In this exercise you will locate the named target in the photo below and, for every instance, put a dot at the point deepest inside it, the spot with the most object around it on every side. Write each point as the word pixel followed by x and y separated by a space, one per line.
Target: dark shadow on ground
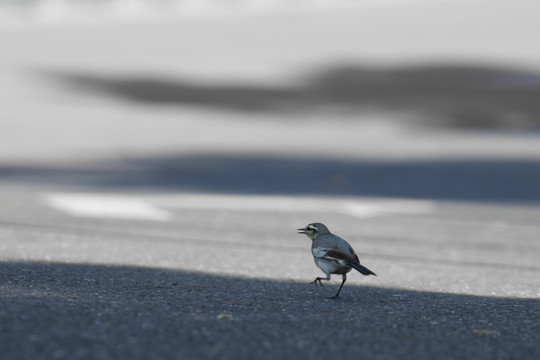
pixel 77 311
pixel 441 95
pixel 459 179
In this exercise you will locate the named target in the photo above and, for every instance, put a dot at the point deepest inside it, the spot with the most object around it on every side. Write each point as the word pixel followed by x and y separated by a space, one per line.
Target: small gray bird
pixel 332 254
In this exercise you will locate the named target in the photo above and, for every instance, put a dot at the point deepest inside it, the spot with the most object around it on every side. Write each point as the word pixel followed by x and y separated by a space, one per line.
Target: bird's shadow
pixel 128 312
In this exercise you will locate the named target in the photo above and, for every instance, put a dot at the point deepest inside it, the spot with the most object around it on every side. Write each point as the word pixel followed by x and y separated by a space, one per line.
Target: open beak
pixel 301 231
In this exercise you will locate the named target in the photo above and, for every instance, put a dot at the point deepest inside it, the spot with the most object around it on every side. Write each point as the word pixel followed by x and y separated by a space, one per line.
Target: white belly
pixel 332 266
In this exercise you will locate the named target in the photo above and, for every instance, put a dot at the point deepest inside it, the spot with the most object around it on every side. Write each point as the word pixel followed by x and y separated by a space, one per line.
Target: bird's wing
pixel 336 254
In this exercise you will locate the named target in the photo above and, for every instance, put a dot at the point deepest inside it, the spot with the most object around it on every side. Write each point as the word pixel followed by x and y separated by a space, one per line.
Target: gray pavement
pixel 458 281
pixel 96 311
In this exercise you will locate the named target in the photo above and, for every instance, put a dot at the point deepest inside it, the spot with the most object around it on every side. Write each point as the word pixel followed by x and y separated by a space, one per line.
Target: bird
pixel 332 254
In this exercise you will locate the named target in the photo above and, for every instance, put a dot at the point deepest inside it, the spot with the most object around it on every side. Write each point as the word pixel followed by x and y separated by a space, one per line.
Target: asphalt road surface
pixel 146 275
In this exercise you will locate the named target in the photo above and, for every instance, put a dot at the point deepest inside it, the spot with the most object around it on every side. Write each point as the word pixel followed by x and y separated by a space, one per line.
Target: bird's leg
pixel 342 282
pixel 319 280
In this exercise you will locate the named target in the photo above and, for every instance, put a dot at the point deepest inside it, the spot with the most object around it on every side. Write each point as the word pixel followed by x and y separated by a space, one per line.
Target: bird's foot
pixel 317 281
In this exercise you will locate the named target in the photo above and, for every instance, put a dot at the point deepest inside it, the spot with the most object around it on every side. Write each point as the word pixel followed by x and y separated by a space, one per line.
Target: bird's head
pixel 313 230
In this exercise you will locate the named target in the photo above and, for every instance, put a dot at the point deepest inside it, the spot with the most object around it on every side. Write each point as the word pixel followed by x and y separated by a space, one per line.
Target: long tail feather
pixel 362 269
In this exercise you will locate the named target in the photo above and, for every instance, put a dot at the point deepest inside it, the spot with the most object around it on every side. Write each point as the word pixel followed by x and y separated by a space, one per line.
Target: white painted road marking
pixel 116 206
pixel 355 207
pixel 106 206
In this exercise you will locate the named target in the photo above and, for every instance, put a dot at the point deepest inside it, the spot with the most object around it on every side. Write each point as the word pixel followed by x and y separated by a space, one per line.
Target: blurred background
pixel 399 98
